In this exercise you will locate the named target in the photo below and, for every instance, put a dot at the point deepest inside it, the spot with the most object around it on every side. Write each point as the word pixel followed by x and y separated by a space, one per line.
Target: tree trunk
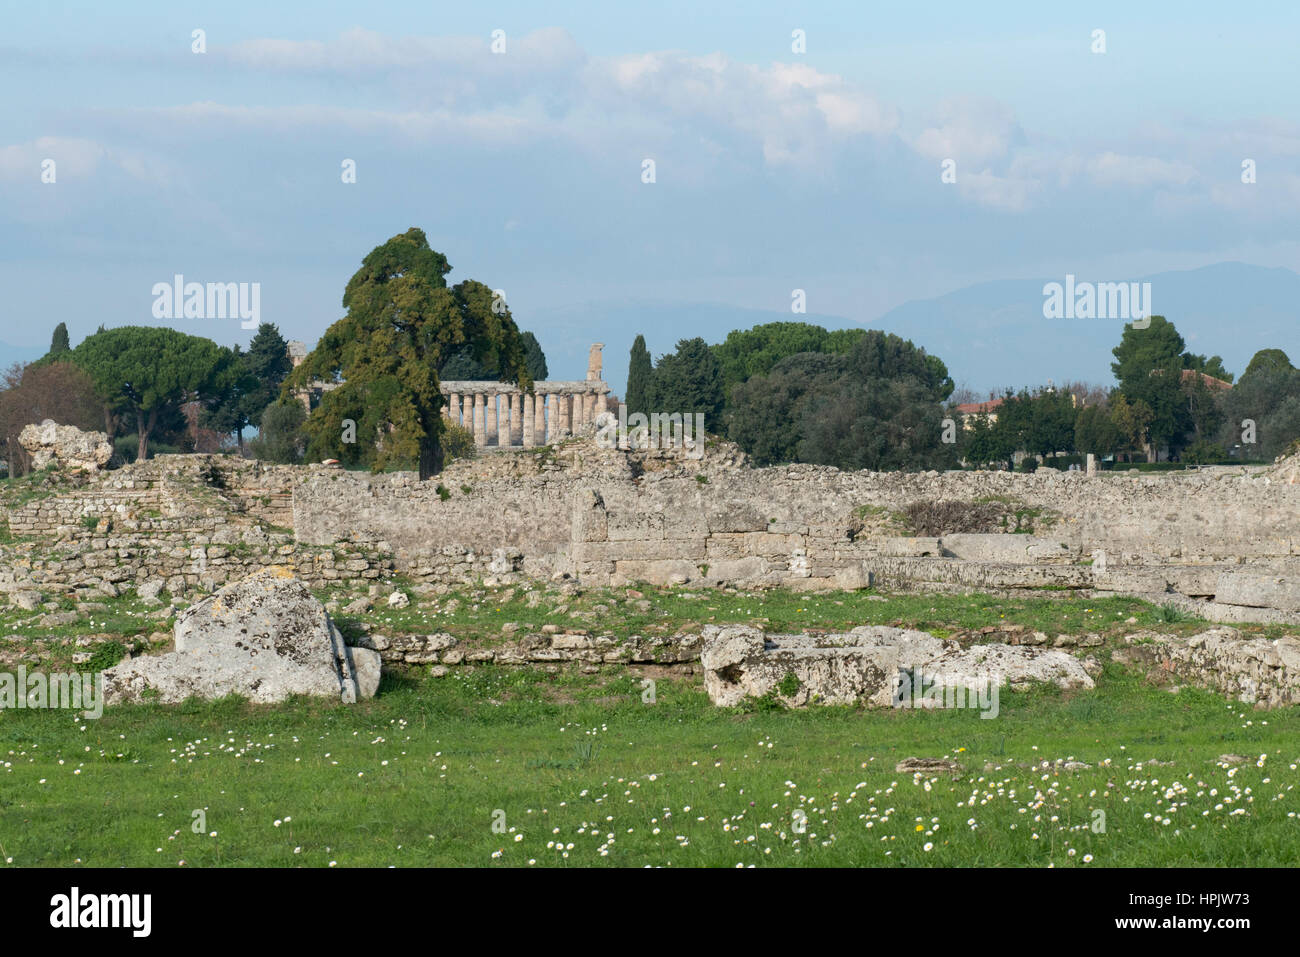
pixel 431 457
pixel 144 429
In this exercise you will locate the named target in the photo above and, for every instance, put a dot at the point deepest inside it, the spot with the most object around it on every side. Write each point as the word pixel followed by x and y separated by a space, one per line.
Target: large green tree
pixel 688 381
pixel 461 365
pixel 985 443
pixel 750 352
pixel 765 416
pixel 1261 413
pixel 1268 360
pixel 281 438
pixel 59 343
pixel 149 372
pixel 639 371
pixel 264 368
pixel 1149 365
pixel 878 406
pixel 402 321
pixel 1095 431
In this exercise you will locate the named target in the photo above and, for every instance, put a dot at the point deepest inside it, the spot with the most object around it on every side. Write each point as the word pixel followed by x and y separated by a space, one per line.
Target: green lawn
pixel 582 772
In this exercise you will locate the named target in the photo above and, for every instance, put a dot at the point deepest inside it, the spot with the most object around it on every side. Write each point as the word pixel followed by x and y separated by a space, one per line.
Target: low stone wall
pixel 548 648
pixel 1251 670
pixel 183 563
pixel 1256 671
pixel 1225 540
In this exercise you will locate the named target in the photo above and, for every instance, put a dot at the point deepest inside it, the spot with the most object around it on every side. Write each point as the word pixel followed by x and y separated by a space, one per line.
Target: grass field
pixel 493 766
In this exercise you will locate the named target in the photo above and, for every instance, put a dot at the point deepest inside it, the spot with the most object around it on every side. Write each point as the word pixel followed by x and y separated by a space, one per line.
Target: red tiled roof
pixel 975 408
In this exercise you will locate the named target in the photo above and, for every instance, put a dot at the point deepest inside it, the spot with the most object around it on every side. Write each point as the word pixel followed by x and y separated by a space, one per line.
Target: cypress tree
pixel 638 378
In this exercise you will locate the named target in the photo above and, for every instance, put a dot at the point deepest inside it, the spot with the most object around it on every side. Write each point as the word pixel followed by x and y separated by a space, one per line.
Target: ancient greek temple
pixel 500 415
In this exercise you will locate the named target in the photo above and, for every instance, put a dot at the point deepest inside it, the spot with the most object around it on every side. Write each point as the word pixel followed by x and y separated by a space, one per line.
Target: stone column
pixel 528 430
pixel 564 409
pixel 539 421
pixel 453 407
pixel 1092 464
pixel 513 411
pixel 480 430
pixel 493 421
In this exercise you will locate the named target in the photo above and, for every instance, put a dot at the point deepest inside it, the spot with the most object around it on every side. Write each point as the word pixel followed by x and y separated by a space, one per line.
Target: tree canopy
pixel 402 322
pixel 688 381
pixel 750 352
pixel 639 371
pixel 149 372
pixel 878 406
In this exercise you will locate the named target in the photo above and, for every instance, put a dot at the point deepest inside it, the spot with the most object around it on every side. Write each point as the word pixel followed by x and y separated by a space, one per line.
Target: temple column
pixel 527 428
pixel 453 407
pixel 480 430
pixel 493 421
pixel 564 412
pixel 539 422
pixel 516 420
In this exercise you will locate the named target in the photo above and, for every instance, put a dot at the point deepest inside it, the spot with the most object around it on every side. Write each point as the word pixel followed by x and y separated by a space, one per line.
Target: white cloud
pixel 1113 169
pixel 1011 194
pixel 970 130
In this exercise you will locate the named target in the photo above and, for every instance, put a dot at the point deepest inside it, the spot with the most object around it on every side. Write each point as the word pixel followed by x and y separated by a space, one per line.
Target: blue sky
pixel 774 170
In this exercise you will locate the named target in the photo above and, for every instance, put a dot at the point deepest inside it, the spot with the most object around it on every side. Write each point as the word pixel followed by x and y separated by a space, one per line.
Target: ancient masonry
pixel 1223 543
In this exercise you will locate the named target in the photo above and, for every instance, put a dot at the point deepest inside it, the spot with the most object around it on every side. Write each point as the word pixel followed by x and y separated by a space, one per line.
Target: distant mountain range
pixel 991 335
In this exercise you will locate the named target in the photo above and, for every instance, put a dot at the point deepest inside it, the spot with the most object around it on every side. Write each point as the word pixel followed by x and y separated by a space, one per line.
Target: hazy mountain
pixel 994 334
pixel 990 335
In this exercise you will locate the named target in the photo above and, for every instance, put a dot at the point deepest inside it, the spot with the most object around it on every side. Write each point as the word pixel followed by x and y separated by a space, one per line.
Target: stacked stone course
pixel 1222 542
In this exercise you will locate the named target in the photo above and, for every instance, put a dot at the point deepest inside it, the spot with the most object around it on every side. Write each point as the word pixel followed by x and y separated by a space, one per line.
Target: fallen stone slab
pixel 264 637
pixel 1016 665
pixel 741 662
pixel 869 664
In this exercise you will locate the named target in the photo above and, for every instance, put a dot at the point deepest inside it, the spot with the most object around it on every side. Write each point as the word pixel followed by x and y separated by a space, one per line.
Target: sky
pixel 776 169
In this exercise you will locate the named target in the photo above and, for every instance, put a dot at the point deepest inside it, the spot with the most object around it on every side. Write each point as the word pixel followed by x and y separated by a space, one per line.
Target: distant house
pixel 1210 381
pixel 968 410
pixel 1189 375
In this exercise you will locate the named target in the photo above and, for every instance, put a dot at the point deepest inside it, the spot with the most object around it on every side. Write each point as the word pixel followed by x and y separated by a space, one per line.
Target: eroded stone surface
pixel 264 637
pixel 67 445
pixel 1017 665
pixel 1253 670
pixel 866 665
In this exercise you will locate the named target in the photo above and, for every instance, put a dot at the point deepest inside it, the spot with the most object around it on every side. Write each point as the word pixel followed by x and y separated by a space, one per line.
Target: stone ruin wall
pixel 1223 542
